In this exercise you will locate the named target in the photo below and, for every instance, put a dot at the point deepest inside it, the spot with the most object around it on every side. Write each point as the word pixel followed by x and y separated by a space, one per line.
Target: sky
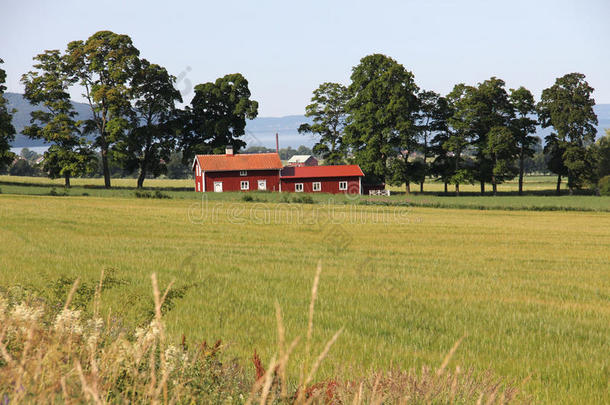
pixel 286 49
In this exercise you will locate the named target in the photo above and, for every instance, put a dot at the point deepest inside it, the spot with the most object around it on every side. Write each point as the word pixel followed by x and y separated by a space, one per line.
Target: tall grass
pixel 64 356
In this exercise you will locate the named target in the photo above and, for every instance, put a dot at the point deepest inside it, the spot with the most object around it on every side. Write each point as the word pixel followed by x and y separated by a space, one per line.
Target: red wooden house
pixel 241 172
pixel 322 179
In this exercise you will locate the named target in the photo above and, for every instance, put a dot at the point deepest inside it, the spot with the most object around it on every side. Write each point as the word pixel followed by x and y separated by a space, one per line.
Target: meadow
pixel 530 290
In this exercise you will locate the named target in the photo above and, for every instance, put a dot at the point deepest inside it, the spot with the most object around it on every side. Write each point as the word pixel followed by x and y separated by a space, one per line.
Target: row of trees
pixel 134 119
pixel 399 133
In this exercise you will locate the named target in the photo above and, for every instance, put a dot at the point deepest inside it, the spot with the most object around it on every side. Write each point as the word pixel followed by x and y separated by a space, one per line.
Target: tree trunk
pixel 494 185
pixel 408 187
pixel 445 187
pixel 141 177
pixel 421 187
pixel 482 187
pixel 558 191
pixel 457 189
pixel 105 167
pixel 67 180
pixel 521 167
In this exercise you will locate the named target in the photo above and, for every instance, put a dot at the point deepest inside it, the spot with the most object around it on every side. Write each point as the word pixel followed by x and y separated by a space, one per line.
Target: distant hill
pixel 259 131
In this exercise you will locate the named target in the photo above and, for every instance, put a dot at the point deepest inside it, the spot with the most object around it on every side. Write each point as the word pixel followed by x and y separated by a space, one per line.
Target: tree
pixel 603 155
pixel 329 115
pixel 217 116
pixel 567 106
pixel 431 120
pixel 70 153
pixel 554 150
pixel 104 65
pixel 7 130
pixel 522 126
pixel 152 132
pixel 381 113
pixel 487 106
pixel 442 165
pixel 501 150
pixel 460 135
pixel 22 168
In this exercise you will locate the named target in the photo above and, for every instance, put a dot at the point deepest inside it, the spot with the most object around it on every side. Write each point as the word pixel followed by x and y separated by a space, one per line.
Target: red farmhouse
pixel 263 171
pixel 229 172
pixel 323 179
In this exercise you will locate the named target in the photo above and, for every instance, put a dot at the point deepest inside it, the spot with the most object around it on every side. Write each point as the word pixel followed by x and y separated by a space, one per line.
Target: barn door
pixel 218 186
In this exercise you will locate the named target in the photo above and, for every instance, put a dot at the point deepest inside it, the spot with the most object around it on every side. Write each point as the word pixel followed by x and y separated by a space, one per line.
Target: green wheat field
pixel 530 290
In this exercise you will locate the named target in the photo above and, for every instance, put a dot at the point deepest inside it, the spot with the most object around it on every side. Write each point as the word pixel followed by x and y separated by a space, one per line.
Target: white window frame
pixel 343 185
pixel 216 183
pixel 244 185
pixel 198 186
pixel 264 182
pixel 243 172
pixel 316 186
pixel 298 186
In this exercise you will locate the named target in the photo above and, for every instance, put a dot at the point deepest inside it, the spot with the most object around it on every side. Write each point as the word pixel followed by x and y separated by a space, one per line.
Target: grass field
pixel 539 194
pixel 531 290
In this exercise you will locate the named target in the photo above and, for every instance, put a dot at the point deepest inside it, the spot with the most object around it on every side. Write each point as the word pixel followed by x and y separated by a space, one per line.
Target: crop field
pixel 530 290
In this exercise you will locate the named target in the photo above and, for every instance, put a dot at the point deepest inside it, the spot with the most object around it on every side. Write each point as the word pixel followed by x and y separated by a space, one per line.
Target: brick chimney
pixel 229 150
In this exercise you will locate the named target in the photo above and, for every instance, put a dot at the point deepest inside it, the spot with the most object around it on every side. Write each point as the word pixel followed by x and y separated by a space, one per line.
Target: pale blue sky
pixel 286 49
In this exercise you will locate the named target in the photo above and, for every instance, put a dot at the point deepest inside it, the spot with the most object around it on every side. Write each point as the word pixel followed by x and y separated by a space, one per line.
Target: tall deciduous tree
pixel 523 126
pixel 442 165
pixel 217 116
pixel 327 109
pixel 602 149
pixel 460 134
pixel 152 133
pixel 488 107
pixel 7 130
pixel 567 106
pixel 104 65
pixel 431 120
pixel 501 150
pixel 381 113
pixel 47 86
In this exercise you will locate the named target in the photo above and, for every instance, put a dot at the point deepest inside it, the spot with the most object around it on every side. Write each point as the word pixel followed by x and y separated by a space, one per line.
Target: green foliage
pixel 381 112
pixel 22 168
pixel 501 150
pixel 217 116
pixel 103 65
pixel 602 152
pixel 604 186
pixel 567 106
pixel 152 128
pixel 156 194
pixel 328 111
pixel 7 130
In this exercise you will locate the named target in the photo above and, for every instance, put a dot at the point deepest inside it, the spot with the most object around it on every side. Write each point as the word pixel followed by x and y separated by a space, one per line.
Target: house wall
pixel 329 185
pixel 231 180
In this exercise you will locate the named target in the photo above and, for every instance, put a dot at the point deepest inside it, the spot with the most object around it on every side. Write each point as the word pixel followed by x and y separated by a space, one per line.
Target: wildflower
pixel 26 314
pixel 68 321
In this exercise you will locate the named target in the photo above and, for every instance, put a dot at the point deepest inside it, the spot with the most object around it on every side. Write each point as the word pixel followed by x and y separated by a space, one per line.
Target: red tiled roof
pixel 321 171
pixel 252 161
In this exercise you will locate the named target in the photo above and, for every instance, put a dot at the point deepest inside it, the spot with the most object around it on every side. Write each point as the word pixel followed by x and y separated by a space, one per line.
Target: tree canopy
pixel 7 130
pixel 381 113
pixel 328 111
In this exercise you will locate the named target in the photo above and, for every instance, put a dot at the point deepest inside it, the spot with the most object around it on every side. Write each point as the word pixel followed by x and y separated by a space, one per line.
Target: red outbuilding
pixel 241 172
pixel 322 179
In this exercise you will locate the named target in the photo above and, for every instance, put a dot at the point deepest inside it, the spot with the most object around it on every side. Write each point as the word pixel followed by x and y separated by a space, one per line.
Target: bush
pixel 157 194
pixel 303 199
pixel 604 186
